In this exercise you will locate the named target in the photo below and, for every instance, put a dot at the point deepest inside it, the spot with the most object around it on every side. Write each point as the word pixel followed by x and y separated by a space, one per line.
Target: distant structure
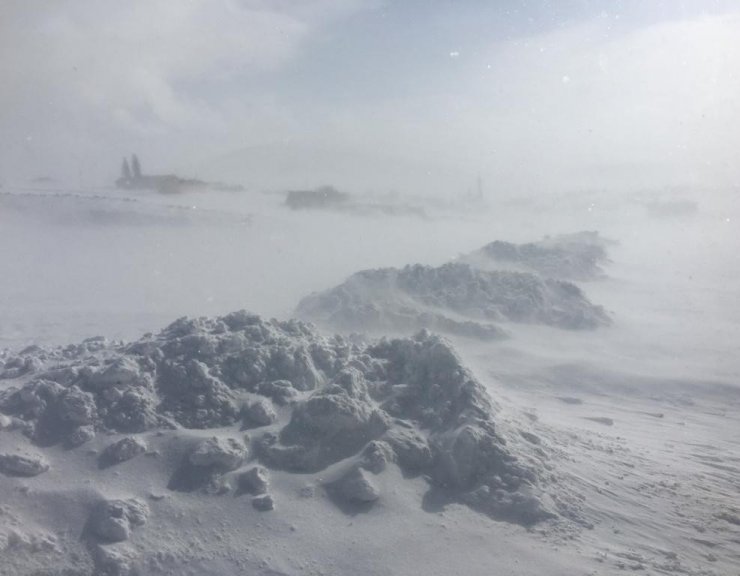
pixel 319 198
pixel 125 170
pixel 135 166
pixel 133 179
pixel 475 195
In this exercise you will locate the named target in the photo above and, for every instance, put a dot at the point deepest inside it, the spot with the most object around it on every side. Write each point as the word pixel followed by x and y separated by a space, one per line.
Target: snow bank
pixel 578 256
pixel 113 520
pixel 26 465
pixel 455 298
pixel 362 407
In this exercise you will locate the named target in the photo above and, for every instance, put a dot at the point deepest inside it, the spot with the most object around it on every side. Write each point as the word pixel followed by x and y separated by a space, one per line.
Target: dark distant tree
pixel 135 166
pixel 125 170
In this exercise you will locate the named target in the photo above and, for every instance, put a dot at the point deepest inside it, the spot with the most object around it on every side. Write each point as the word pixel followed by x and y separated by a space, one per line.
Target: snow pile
pixel 578 256
pixel 113 520
pixel 456 298
pixel 122 450
pixel 25 465
pixel 358 408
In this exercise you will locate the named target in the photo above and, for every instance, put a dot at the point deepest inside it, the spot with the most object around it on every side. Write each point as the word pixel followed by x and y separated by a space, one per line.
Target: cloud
pixel 146 68
pixel 594 101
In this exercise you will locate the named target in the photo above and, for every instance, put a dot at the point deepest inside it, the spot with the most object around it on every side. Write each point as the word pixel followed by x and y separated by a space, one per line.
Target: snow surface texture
pixel 577 256
pixel 456 298
pixel 354 408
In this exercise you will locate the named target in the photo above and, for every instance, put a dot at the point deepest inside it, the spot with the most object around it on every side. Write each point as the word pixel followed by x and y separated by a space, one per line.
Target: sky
pixel 418 97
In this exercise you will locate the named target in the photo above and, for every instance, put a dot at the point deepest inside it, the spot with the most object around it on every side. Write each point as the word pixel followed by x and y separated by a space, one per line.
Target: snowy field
pixel 632 428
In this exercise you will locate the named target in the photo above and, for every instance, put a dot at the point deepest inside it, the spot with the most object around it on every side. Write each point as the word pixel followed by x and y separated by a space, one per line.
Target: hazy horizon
pixel 370 95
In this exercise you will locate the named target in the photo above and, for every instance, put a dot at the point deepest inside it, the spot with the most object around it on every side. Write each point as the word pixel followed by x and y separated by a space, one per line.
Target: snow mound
pixel 254 481
pixel 342 405
pixel 577 256
pixel 215 452
pixel 113 520
pixel 455 298
pixel 122 450
pixel 356 487
pixel 25 465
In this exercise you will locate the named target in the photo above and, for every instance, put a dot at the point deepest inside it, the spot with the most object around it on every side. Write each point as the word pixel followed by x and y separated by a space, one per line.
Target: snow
pixel 228 442
pixel 455 298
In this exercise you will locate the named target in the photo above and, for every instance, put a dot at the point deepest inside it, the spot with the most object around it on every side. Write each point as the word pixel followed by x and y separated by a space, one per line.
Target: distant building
pixel 133 179
pixel 323 197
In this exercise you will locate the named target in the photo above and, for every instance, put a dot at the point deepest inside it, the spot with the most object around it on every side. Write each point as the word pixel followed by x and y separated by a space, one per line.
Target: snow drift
pixel 407 402
pixel 578 256
pixel 456 298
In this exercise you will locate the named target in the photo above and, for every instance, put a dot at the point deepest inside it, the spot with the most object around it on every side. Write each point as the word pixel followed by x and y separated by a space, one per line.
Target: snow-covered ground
pixel 636 423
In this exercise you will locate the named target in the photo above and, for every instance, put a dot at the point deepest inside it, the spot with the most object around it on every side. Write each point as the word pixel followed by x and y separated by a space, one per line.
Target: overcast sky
pixel 408 95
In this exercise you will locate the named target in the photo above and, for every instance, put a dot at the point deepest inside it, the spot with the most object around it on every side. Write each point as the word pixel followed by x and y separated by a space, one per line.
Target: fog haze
pixel 371 95
pixel 369 287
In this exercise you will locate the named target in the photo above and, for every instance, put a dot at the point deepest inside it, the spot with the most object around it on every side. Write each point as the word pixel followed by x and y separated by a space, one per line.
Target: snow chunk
pixel 253 481
pixel 80 436
pixel 333 423
pixel 263 503
pixel 113 520
pixel 355 487
pixel 222 453
pixel 124 449
pixel 26 465
pixel 258 414
pixel 77 407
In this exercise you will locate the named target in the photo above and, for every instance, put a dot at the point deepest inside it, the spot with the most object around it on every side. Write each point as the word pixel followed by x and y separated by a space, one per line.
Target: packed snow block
pixel 289 363
pixel 194 398
pixel 113 520
pixel 465 456
pixel 122 450
pixel 254 481
pixel 77 407
pixel 456 298
pixel 257 414
pixel 428 383
pixel 376 456
pixel 222 454
pixel 333 423
pixel 32 400
pixel 410 449
pixel 115 560
pixel 243 320
pixel 24 465
pixel 80 436
pixel 263 503
pixel 124 394
pixel 520 506
pixel 40 404
pixel 246 369
pixel 356 486
pixel 133 410
pixel 203 468
pixel 64 375
pixel 123 372
pixel 578 256
pixel 354 491
pixel 457 446
pixel 279 391
pixel 246 351
pixel 20 366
